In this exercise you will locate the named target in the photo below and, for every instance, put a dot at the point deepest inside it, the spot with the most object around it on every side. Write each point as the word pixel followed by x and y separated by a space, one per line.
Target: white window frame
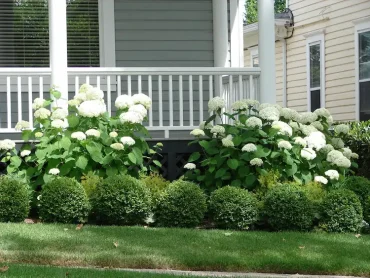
pixel 361 26
pixel 314 38
pixel 253 54
pixel 107 38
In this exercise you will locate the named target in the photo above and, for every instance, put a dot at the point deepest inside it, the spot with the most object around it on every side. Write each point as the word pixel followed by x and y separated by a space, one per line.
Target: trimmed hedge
pixel 359 185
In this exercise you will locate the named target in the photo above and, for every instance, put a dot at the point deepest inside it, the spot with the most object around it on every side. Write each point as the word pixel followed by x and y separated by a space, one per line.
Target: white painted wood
pixel 19 95
pixel 87 79
pixel 58 48
pixel 220 33
pixel 98 81
pixel 8 103
pixel 200 98
pixel 240 82
pixel 41 87
pixel 107 39
pixel 119 85
pixel 30 100
pixel 129 85
pixel 236 33
pixel 77 85
pixel 160 94
pixel 170 99
pixel 150 89
pixel 191 103
pixel 266 45
pixel 181 103
pixel 109 96
pixel 284 50
pixel 211 93
pixel 139 84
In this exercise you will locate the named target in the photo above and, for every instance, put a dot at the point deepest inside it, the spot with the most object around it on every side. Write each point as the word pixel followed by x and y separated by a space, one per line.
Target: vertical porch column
pixel 236 33
pixel 266 50
pixel 220 33
pixel 58 48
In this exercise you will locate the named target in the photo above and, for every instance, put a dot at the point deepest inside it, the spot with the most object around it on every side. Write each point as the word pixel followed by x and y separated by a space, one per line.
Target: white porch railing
pixel 179 95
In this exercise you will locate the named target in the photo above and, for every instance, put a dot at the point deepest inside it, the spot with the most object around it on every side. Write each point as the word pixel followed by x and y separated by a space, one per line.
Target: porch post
pixel 236 33
pixel 266 50
pixel 220 33
pixel 58 48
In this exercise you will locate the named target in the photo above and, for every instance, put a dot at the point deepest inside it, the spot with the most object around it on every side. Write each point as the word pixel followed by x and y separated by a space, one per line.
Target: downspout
pixel 285 94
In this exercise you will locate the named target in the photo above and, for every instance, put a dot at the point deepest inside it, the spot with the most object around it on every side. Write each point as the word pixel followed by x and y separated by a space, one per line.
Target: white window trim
pixel 316 37
pixel 253 53
pixel 361 25
pixel 107 38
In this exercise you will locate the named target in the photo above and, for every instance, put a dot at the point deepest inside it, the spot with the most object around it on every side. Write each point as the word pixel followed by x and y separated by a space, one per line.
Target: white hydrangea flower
pixel 330 120
pixel 307 129
pixel 22 125
pixel 333 156
pixel 270 114
pixel 197 132
pixel 321 179
pixel 142 99
pixel 316 140
pixel 216 103
pixel 239 105
pixel 59 114
pixel 323 112
pixel 203 125
pixel 113 134
pixel 127 140
pixel 78 135
pixel 283 128
pixel 354 155
pixel 94 94
pixel 38 103
pixel 347 152
pixel 308 153
pixel 327 148
pixel 117 146
pixel 42 113
pixel 85 88
pixel 218 129
pixel 54 171
pixel 318 125
pixel 190 166
pixel 253 122
pixel 123 102
pixel 39 134
pixel 289 114
pixel 337 143
pixel 80 97
pixel 131 117
pixel 300 141
pixel 59 123
pixel 307 117
pixel 342 128
pixel 228 141
pixel 7 145
pixel 343 162
pixel 74 102
pixel 92 108
pixel 332 174
pixel 256 162
pixel 25 153
pixel 140 109
pixel 93 132
pixel 294 125
pixel 266 105
pixel 284 145
pixel 249 148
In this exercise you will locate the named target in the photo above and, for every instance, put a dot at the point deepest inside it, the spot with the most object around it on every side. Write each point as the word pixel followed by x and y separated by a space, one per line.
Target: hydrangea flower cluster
pixel 250 148
pixel 283 128
pixel 93 133
pixel 228 141
pixel 216 104
pixel 254 122
pixel 308 153
pixel 270 113
pixel 337 158
pixel 197 132
pixel 316 140
pixel 321 179
pixel 22 125
pixel 7 145
pixel 256 162
pixel 332 174
pixel 285 145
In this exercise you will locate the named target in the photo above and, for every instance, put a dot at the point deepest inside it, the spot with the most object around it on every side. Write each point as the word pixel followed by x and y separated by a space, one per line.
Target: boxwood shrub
pixel 183 204
pixel 14 200
pixel 341 212
pixel 233 208
pixel 359 185
pixel 367 210
pixel 156 185
pixel 63 200
pixel 121 200
pixel 288 207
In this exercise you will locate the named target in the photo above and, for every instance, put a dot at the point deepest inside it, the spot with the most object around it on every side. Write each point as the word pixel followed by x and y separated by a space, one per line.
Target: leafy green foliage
pixel 156 185
pixel 341 212
pixel 121 200
pixel 367 210
pixel 359 185
pixel 182 205
pixel 89 182
pixel 14 200
pixel 252 13
pixel 233 208
pixel 288 207
pixel 63 200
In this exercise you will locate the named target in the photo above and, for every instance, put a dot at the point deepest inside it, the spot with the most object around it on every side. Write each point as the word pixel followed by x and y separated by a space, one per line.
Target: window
pixel 362 41
pixel 24 33
pixel 315 56
pixel 254 58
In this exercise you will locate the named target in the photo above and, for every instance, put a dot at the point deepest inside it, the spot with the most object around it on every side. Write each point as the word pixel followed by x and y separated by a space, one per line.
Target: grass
pixel 185 249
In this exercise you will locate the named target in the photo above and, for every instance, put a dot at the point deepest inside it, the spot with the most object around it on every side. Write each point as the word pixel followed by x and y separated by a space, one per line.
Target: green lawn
pixel 185 249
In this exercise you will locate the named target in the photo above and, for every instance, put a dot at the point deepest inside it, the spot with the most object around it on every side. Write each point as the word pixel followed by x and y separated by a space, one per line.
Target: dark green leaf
pixel 194 157
pixel 233 163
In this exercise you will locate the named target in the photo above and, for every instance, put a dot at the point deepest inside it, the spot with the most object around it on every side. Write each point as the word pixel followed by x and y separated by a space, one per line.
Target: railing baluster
pixel 8 102
pixel 119 85
pixel 181 99
pixel 87 79
pixel 220 89
pixel 211 94
pixel 77 85
pixel 240 87
pixel 129 85
pixel 139 84
pixel 41 87
pixel 150 89
pixel 191 108
pixel 170 99
pixel 109 96
pixel 19 82
pixel 252 94
pixel 30 114
pixel 160 100
pixel 231 93
pixel 200 98
pixel 98 81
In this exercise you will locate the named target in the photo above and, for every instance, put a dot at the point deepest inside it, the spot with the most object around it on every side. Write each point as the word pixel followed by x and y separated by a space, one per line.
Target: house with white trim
pixel 322 56
pixel 181 53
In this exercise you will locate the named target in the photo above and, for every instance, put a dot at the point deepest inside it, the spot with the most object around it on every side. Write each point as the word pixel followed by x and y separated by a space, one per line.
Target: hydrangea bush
pixel 254 138
pixel 82 139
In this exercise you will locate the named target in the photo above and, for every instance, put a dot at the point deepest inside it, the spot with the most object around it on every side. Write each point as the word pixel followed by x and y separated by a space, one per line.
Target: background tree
pixel 251 9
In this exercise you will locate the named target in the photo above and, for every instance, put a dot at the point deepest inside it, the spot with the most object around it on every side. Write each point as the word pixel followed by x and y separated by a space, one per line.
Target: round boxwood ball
pixel 288 207
pixel 14 200
pixel 183 204
pixel 359 185
pixel 341 212
pixel 121 200
pixel 233 208
pixel 63 200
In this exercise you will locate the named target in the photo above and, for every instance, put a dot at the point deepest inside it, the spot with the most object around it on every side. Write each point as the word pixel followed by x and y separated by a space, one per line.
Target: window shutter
pixel 24 33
